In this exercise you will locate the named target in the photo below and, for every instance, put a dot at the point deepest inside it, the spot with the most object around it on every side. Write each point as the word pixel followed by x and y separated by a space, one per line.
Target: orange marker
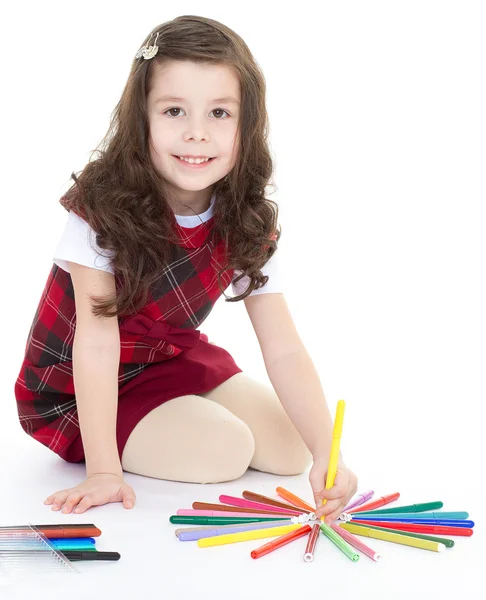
pixel 280 541
pixel 295 500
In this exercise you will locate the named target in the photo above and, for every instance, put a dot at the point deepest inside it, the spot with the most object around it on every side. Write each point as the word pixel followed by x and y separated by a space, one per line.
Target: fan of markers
pixel 289 518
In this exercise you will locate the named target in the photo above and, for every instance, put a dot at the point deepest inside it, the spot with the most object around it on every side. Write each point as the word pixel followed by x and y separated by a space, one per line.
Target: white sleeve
pixel 274 284
pixel 78 244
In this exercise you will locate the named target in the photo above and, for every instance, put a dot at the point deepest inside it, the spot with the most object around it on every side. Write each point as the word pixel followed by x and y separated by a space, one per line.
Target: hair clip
pixel 148 51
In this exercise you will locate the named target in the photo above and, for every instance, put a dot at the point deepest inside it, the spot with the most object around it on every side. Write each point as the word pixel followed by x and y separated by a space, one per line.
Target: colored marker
pixel 415 528
pixel 267 500
pixel 190 512
pixel 83 555
pixel 381 501
pixel 360 499
pixel 280 541
pixel 335 446
pixel 217 520
pixel 73 543
pixel 244 536
pixel 446 541
pixel 293 499
pixel 357 543
pixel 189 535
pixel 311 543
pixel 395 538
pixel 48 526
pixel 338 541
pixel 241 502
pixel 410 508
pixel 226 507
pixel 57 532
pixel 456 516
pixel 418 521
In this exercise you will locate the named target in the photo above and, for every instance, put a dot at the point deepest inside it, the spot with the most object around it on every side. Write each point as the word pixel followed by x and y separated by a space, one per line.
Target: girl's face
pixel 193 110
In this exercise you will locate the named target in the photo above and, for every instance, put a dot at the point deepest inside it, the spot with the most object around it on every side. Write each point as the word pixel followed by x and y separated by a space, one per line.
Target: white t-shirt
pixel 78 244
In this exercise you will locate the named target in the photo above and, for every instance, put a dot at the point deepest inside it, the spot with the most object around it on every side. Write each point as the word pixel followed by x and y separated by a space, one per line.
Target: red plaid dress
pixel 163 355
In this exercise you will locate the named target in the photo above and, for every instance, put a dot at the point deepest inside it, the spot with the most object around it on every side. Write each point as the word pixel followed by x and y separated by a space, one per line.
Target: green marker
pixel 195 520
pixel 410 508
pixel 446 541
pixel 339 542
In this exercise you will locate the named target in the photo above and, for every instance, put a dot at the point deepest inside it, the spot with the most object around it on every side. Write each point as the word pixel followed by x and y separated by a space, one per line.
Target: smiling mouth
pixel 194 165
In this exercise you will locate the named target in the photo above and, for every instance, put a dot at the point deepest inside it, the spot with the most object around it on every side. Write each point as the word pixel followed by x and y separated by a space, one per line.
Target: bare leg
pixel 279 447
pixel 189 439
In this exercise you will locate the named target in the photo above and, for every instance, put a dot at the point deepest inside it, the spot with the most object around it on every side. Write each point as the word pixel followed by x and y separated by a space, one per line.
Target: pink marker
pixel 225 513
pixel 357 543
pixel 242 503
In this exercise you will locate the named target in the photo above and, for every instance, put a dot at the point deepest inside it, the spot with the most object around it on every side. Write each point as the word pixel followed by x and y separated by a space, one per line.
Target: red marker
pixel 280 541
pixel 376 503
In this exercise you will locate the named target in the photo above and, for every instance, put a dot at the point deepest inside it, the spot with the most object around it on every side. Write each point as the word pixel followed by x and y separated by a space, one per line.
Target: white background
pixel 378 137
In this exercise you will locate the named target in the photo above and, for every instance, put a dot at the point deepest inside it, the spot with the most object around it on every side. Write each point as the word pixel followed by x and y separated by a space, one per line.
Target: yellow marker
pixel 336 443
pixel 243 536
pixel 396 538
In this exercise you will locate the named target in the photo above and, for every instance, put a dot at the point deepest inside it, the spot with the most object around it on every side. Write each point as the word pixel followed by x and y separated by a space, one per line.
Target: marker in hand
pixel 335 447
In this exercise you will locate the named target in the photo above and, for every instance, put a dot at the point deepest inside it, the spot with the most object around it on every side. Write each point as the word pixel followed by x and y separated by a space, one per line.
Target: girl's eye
pixel 219 110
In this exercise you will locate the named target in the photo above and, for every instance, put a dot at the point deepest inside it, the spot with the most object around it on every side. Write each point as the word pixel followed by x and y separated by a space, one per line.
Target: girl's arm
pixel 291 371
pixel 96 360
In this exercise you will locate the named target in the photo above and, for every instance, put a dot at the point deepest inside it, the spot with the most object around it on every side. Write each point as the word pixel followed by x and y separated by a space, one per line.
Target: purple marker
pixel 360 499
pixel 190 536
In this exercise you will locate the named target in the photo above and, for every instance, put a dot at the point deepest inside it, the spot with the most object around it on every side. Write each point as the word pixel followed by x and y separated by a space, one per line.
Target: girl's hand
pixel 98 489
pixel 344 488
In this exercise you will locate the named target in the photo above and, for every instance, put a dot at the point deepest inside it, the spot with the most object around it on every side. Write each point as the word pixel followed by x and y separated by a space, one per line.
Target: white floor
pixel 154 563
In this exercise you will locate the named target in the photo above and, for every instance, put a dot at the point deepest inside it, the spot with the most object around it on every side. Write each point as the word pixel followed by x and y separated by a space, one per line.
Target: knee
pixel 190 439
pixel 228 454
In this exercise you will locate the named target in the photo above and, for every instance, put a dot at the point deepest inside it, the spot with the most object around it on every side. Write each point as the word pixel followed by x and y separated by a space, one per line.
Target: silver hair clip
pixel 148 51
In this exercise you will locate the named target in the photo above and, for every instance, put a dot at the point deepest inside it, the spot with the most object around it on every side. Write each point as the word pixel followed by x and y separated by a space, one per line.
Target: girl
pixel 116 373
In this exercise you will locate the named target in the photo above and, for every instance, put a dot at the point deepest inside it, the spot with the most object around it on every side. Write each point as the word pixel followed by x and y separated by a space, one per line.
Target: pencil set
pixel 288 518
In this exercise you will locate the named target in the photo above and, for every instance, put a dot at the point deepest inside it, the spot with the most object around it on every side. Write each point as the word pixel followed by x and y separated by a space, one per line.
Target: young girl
pixel 116 373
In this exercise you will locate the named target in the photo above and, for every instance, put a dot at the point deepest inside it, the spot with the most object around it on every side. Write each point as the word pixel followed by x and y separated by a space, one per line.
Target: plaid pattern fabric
pixel 180 301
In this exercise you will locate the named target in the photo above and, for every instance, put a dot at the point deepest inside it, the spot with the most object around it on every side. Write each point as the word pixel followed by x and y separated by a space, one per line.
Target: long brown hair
pixel 124 199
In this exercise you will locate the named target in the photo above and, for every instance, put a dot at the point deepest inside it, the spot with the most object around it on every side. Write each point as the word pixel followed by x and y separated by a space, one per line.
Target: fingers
pixel 67 500
pixel 86 502
pixel 72 499
pixel 129 499
pixel 57 499
pixel 330 509
pixel 339 488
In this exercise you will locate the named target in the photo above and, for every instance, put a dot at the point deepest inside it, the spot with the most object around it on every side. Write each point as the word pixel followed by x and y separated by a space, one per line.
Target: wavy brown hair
pixel 124 199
